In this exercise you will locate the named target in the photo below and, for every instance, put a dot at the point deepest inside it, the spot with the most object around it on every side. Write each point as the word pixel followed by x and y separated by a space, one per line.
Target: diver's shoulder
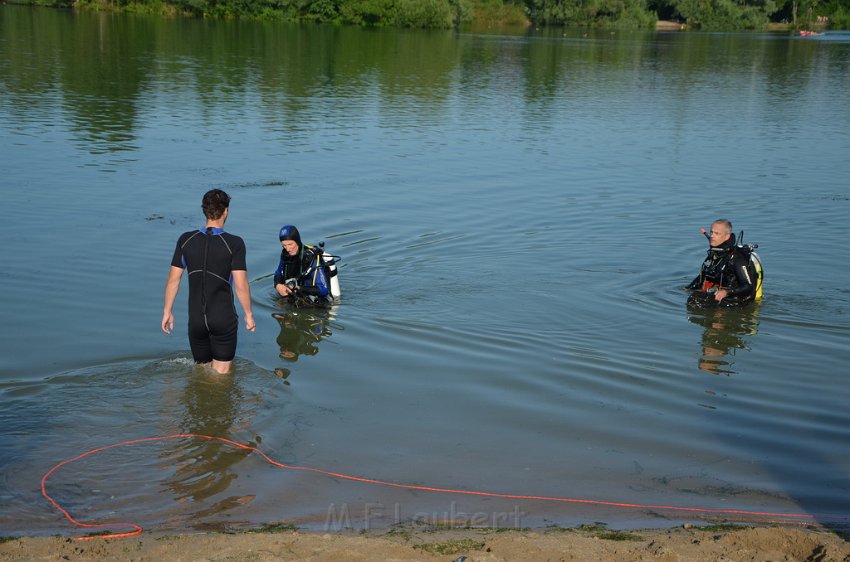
pixel 229 236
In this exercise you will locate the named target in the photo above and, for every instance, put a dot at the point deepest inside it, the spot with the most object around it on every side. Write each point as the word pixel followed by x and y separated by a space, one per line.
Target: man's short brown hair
pixel 214 203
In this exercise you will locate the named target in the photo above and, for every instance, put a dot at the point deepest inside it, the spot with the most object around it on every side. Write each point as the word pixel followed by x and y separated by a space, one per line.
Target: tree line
pixel 711 15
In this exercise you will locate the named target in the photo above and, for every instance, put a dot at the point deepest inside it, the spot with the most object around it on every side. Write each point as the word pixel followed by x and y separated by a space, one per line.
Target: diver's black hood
pixel 290 232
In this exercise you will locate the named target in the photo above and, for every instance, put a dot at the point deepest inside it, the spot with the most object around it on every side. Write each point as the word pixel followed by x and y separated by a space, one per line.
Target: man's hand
pixel 720 294
pixel 288 289
pixel 167 321
pixel 172 285
pixel 250 325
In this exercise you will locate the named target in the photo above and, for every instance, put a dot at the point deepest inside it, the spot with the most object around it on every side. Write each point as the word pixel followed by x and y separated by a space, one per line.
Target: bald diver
pixel 731 274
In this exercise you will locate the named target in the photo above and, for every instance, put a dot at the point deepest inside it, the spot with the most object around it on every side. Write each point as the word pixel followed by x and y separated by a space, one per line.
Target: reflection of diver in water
pixel 725 331
pixel 204 468
pixel 301 329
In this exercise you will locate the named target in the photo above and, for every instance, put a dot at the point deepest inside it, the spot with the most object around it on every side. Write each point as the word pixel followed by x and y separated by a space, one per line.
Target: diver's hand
pixel 720 294
pixel 283 290
pixel 167 321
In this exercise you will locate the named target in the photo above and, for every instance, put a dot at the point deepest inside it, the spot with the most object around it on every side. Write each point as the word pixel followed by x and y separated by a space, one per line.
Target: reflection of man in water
pixel 300 332
pixel 211 406
pixel 723 333
pixel 297 336
pixel 717 342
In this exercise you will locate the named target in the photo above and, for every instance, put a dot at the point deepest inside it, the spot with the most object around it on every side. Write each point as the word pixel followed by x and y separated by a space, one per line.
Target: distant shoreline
pixel 668 25
pixel 482 16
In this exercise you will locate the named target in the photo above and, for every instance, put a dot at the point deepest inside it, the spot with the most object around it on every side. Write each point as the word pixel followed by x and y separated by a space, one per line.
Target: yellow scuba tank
pixel 756 261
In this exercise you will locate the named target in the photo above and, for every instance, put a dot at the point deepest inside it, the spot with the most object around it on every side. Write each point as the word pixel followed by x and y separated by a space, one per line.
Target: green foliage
pixel 711 15
pixel 840 18
pixel 432 14
pixel 837 13
pixel 497 12
pixel 598 13
pixel 323 11
pixel 549 12
pixel 726 14
pixel 365 12
pixel 47 3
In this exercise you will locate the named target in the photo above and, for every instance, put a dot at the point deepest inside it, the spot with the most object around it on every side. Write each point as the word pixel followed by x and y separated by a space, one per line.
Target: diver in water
pixel 730 274
pixel 302 275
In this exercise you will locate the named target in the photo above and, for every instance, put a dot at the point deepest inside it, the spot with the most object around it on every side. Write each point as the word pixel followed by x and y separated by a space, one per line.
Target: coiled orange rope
pixel 136 529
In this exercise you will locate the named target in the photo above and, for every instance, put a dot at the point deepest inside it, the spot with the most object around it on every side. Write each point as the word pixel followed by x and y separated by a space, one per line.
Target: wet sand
pixel 703 544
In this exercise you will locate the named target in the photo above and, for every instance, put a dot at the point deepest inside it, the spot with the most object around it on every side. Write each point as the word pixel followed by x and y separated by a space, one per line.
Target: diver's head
pixel 290 239
pixel 215 204
pixel 721 231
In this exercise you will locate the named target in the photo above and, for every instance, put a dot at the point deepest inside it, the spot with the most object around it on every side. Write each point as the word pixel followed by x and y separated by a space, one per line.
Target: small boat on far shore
pixel 809 33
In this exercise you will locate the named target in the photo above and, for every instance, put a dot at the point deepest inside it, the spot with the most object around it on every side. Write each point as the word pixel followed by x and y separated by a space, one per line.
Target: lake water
pixel 516 213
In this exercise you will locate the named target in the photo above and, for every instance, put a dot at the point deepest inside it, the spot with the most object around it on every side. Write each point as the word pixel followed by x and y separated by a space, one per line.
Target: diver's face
pixel 290 246
pixel 718 234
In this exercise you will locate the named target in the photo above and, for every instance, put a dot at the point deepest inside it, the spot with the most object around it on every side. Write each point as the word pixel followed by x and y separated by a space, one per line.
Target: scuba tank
pixel 330 262
pixel 755 261
pixel 757 265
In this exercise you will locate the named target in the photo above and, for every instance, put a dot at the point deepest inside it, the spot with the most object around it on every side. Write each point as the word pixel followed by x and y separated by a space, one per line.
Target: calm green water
pixel 516 214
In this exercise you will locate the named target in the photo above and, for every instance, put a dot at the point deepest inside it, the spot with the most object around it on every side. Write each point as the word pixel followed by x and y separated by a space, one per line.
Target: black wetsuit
pixel 726 267
pixel 209 260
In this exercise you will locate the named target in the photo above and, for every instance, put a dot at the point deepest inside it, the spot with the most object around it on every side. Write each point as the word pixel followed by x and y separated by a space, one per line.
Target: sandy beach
pixel 705 544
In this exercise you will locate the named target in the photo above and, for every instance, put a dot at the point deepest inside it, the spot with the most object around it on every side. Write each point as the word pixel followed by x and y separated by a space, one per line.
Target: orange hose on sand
pixel 136 529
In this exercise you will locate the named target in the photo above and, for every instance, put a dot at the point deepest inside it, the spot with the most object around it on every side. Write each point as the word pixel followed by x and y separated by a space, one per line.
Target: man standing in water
pixel 728 277
pixel 215 261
